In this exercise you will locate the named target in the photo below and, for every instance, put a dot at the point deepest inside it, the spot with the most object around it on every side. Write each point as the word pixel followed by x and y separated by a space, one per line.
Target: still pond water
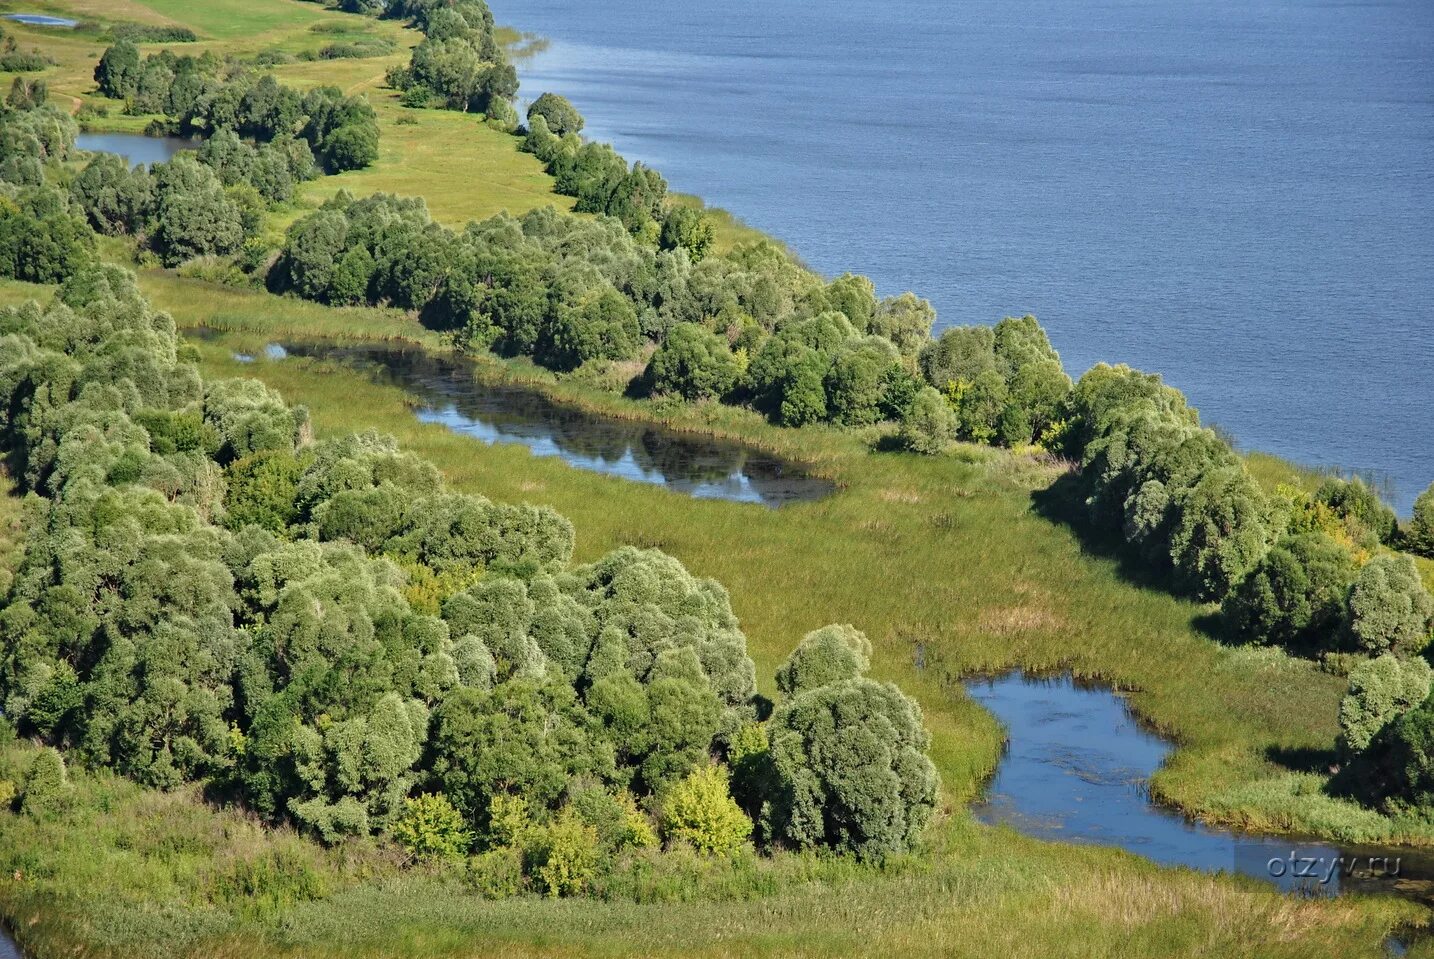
pixel 1077 769
pixel 449 394
pixel 1238 194
pixel 137 149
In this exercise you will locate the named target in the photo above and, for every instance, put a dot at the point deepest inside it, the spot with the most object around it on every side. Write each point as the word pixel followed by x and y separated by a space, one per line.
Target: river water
pixel 1234 193
pixel 1077 769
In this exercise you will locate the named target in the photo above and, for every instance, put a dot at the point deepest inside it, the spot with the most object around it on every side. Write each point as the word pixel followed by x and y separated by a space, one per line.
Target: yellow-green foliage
pixel 430 828
pixel 700 811
pixel 562 856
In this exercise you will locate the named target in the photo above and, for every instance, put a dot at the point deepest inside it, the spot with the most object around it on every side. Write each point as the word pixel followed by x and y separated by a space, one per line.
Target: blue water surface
pixel 1235 193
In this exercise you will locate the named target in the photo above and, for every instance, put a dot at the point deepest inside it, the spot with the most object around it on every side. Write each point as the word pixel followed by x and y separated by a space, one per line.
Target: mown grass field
pixel 975 560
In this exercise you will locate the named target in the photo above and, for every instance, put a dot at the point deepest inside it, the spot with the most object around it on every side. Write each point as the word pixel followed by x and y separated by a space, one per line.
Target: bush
pixel 700 810
pixel 693 362
pixel 430 828
pixel 826 655
pixel 852 770
pixel 1359 506
pixel 1389 608
pixel 562 856
pixel 1380 690
pixel 1419 534
pixel 497 873
pixel 930 425
pixel 560 115
pixel 47 787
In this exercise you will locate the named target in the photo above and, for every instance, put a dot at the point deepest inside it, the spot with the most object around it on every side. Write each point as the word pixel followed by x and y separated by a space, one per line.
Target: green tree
pixel 1390 610
pixel 1295 596
pixel 694 363
pixel 1380 690
pixel 1419 534
pixel 559 114
pixel 852 770
pixel 117 73
pixel 826 655
pixel 930 424
pixel 193 215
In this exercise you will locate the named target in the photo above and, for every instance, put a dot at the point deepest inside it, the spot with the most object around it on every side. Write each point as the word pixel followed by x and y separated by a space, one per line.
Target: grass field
pixel 976 560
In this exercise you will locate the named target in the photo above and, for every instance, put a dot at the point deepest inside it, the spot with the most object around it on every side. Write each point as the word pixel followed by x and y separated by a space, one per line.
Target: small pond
pixel 1077 767
pixel 450 394
pixel 136 148
pixel 41 20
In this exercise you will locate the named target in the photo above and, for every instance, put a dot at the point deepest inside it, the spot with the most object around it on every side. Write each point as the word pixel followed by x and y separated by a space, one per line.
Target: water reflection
pixel 450 395
pixel 1077 768
pixel 137 149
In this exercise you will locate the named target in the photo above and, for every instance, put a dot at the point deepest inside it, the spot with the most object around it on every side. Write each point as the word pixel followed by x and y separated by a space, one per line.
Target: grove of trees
pixel 327 634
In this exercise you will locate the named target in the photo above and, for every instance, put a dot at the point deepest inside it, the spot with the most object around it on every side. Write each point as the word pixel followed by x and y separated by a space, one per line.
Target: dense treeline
pixel 206 203
pixel 459 61
pixel 204 95
pixel 326 633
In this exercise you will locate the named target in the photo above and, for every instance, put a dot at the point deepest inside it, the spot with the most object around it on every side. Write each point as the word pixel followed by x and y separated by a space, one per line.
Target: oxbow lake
pixel 1077 769
pixel 137 149
pixel 1234 193
pixel 449 393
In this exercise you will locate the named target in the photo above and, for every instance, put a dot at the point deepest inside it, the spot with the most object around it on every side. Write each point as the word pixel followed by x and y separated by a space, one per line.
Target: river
pixel 1235 193
pixel 1077 768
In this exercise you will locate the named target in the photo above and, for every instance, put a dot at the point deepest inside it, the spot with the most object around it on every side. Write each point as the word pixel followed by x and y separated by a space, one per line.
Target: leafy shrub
pixel 826 655
pixel 700 811
pixel 1390 610
pixel 562 856
pixel 430 828
pixel 930 424
pixel 1419 534
pixel 1380 690
pixel 496 873
pixel 47 786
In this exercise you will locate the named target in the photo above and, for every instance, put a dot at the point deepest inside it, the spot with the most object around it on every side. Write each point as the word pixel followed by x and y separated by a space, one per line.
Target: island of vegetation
pixel 269 685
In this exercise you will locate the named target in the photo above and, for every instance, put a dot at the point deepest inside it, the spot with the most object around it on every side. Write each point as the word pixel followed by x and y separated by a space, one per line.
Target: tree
pixel 694 363
pixel 193 215
pixel 1295 595
pixel 930 424
pixel 524 737
pixel 700 811
pixel 1390 610
pixel 960 354
pixel 1358 505
pixel 826 655
pixel 906 321
pixel 1419 534
pixel 1380 690
pixel 117 198
pixel 559 114
pixel 117 73
pixel 688 229
pixel 852 770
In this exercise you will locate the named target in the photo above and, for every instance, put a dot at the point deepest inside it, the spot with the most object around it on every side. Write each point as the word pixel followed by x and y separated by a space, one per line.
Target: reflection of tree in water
pixel 687 461
pixel 529 417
